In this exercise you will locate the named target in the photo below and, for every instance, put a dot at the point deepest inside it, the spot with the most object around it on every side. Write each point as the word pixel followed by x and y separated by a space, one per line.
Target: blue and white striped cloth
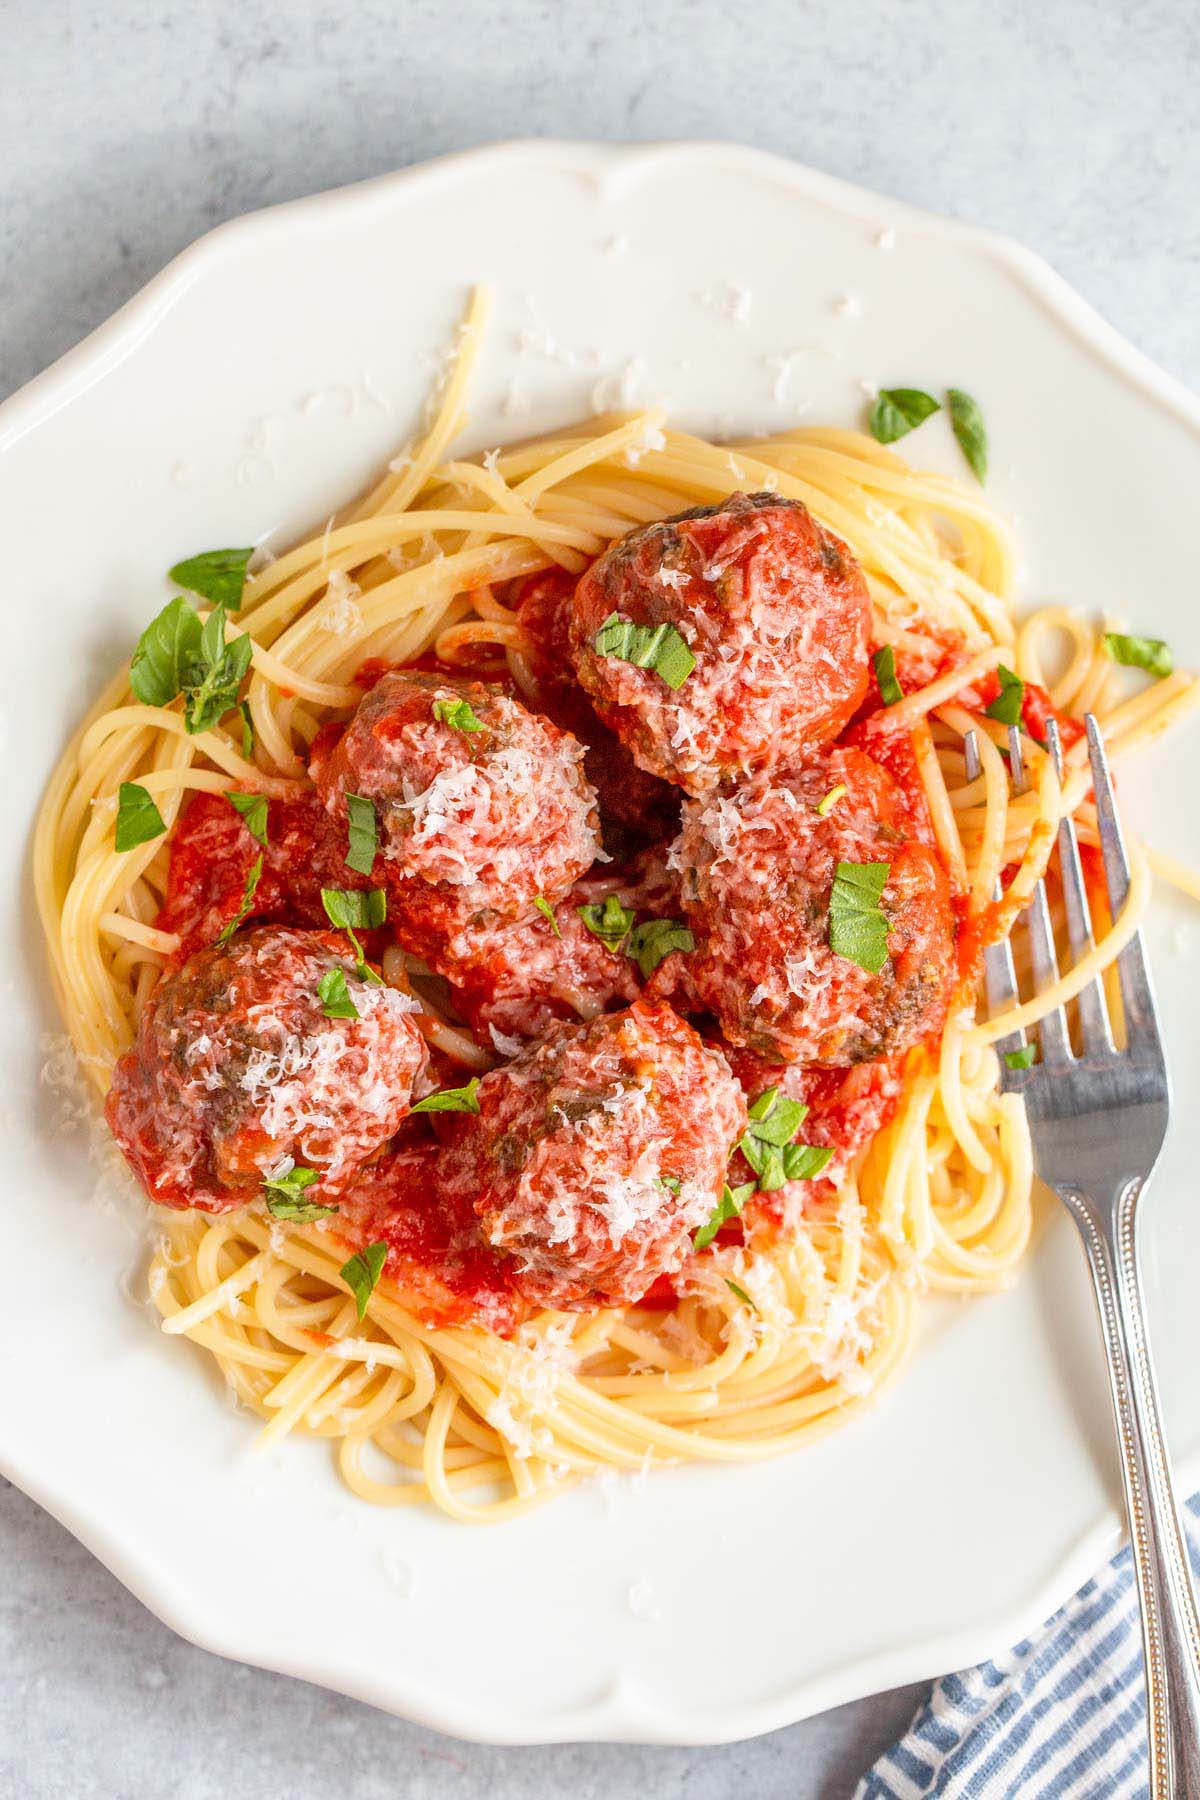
pixel 1061 1716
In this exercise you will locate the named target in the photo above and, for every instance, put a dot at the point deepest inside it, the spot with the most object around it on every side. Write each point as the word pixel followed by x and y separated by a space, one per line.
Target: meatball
pixel 515 981
pixel 596 1154
pixel 236 1072
pixel 757 869
pixel 773 608
pixel 476 818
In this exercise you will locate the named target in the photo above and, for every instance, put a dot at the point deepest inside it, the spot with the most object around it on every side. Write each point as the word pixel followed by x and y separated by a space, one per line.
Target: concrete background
pixel 127 129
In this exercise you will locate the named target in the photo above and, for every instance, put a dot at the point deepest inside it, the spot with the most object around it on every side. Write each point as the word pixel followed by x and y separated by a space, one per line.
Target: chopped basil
pixel 648 944
pixel 1006 707
pixel 222 667
pixel 547 912
pixel 253 877
pixel 253 808
pixel 657 647
pixel 826 806
pixel 217 575
pixel 801 1162
pixel 611 922
pixel 970 430
pixel 138 819
pixel 776 1117
pixel 672 1183
pixel 1024 1058
pixel 897 411
pixel 457 713
pixel 177 655
pixel 285 1195
pixel 362 829
pixel 335 996
pixel 884 664
pixel 356 909
pixel 1151 654
pixel 771 1124
pixel 858 930
pixel 729 1206
pixel 361 1274
pixel 739 1293
pixel 460 1099
pixel 247 729
pixel 167 654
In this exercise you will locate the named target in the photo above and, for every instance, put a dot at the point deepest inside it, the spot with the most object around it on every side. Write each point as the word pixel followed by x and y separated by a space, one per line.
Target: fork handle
pixel 1170 1627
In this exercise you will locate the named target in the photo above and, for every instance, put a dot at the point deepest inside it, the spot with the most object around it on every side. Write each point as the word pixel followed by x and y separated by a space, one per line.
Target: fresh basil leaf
pixel 220 674
pixel 459 714
pixel 1006 707
pixel 858 930
pixel 897 411
pixel 729 1206
pixel 611 922
pixel 1024 1058
pixel 657 647
pixel 739 1293
pixel 970 430
pixel 217 575
pixel 362 833
pixel 772 1122
pixel 547 912
pixel 335 996
pixel 801 1162
pixel 1151 654
pixel 361 1274
pixel 775 1117
pixel 253 877
pixel 285 1195
pixel 354 909
pixel 884 664
pixel 167 653
pixel 650 943
pixel 247 729
pixel 460 1099
pixel 766 1159
pixel 253 808
pixel 138 819
pixel 826 806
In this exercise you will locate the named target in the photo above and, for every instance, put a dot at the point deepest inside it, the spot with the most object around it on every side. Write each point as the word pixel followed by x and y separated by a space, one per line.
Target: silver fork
pixel 1098 1122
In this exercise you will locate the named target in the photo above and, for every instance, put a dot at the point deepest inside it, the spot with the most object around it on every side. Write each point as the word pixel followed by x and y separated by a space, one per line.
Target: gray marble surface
pixel 129 128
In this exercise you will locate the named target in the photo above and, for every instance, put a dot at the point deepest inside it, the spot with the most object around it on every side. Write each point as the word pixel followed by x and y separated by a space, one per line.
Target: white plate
pixel 249 389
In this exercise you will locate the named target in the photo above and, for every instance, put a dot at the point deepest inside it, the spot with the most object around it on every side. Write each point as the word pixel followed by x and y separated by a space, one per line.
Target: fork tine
pixel 999 974
pixel 1016 760
pixel 1093 1013
pixel 1052 1030
pixel 1141 1021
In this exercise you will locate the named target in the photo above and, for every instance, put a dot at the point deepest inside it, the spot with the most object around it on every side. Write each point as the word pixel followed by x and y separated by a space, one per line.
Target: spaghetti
pixel 773 1339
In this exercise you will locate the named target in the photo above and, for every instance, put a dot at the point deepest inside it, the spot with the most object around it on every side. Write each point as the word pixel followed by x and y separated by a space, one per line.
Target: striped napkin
pixel 1061 1716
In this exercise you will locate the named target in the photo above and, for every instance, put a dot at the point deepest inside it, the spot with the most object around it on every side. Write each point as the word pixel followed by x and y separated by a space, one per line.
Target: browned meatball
pixel 237 1073
pixel 772 608
pixel 596 1153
